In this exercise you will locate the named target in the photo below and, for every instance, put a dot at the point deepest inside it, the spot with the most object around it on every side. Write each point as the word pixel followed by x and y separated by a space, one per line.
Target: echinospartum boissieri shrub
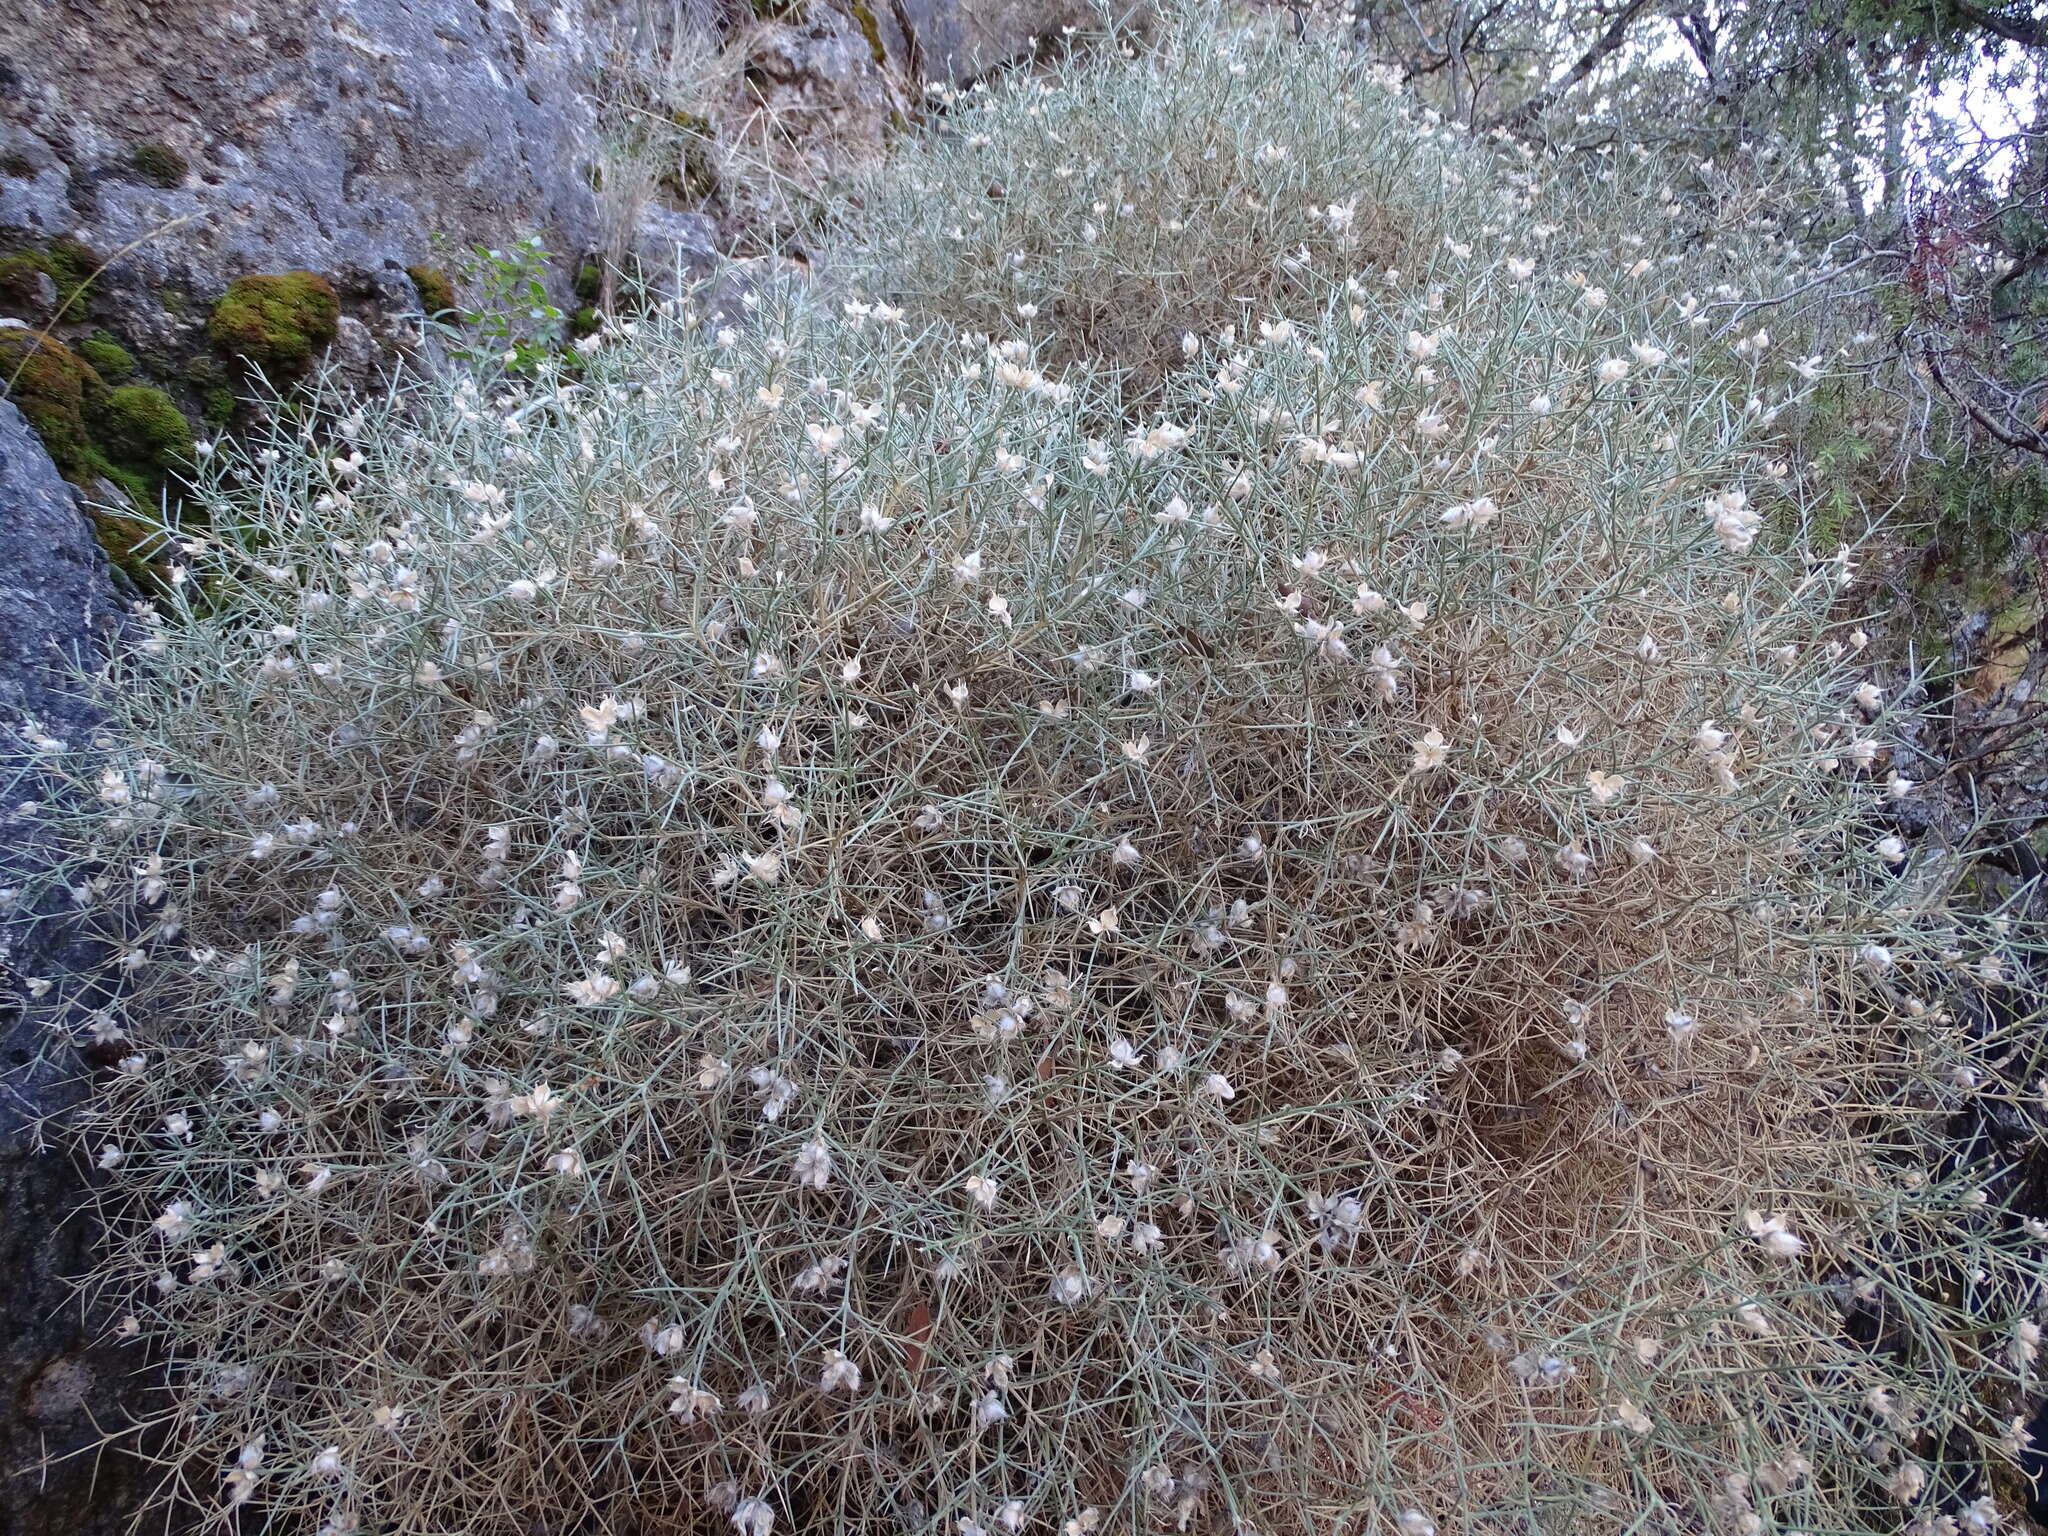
pixel 829 928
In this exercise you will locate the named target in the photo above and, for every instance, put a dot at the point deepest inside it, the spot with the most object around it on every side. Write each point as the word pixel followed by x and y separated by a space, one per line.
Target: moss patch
pixel 55 389
pixel 131 435
pixel 276 321
pixel 139 425
pixel 436 289
pixel 159 163
pixel 110 360
pixel 69 264
pixel 864 18
pixel 131 544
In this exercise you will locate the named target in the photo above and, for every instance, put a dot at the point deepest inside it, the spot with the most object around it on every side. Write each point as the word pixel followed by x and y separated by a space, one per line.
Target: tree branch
pixel 1604 45
pixel 2025 31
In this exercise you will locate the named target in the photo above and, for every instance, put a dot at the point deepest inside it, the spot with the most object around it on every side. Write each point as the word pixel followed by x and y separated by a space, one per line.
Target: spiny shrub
pixel 1204 184
pixel 828 929
pixel 785 931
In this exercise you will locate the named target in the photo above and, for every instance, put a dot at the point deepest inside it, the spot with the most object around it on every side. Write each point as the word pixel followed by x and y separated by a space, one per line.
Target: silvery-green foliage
pixel 834 925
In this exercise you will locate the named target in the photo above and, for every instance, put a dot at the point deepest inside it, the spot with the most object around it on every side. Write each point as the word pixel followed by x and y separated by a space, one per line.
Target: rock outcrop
pixel 189 144
pixel 59 1380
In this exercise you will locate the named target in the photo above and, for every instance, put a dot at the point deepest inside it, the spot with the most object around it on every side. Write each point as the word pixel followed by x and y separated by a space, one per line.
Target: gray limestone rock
pixel 59 1380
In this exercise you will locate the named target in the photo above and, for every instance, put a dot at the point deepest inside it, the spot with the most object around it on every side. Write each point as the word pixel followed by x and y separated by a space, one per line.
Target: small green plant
pixel 276 322
pixel 513 312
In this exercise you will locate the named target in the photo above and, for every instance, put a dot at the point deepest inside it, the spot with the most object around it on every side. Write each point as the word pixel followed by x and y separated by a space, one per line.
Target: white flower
pixel 1908 1482
pixel 567 1163
pixel 1125 1055
pixel 1773 1235
pixel 1606 787
pixel 812 1167
pixel 691 1403
pixel 1431 750
pixel 593 990
pixel 1613 370
pixel 1217 1086
pixel 1891 849
pixel 982 1189
pixel 1070 1286
pixel 1471 514
pixel 1648 355
pixel 753 1517
pixel 839 1375
pixel 1626 1415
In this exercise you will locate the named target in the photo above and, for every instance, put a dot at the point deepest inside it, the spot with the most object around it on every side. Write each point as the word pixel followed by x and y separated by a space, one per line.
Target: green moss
pixel 589 281
pixel 139 425
pixel 584 322
pixel 56 390
pixel 72 266
pixel 276 321
pixel 864 18
pixel 129 542
pixel 21 283
pixel 436 289
pixel 695 177
pixel 131 436
pixel 220 405
pixel 69 264
pixel 112 361
pixel 159 163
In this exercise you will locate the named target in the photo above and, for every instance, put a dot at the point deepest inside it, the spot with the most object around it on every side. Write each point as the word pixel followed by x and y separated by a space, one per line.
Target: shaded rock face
pixel 57 1380
pixel 195 142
